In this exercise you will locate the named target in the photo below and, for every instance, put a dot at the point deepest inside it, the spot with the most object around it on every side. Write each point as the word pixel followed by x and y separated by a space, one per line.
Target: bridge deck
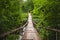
pixel 30 32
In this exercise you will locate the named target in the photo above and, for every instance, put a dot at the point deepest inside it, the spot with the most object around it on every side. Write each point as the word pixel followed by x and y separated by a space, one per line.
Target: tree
pixel 48 12
pixel 9 15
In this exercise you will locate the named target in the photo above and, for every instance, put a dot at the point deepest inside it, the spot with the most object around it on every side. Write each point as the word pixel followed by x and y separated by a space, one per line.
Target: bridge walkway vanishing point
pixel 30 32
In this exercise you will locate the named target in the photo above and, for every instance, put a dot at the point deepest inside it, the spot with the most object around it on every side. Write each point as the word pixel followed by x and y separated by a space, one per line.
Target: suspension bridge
pixel 30 33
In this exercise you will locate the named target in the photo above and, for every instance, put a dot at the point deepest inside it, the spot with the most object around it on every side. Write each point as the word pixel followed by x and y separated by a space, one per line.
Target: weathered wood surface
pixel 30 32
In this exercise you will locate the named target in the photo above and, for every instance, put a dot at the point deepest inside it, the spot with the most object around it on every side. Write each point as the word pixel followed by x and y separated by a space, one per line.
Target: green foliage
pixel 48 12
pixel 28 5
pixel 12 37
pixel 10 16
pixel 24 17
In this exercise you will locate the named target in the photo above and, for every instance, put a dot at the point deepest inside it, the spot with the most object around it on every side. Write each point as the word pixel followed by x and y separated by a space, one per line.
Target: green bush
pixel 10 16
pixel 49 16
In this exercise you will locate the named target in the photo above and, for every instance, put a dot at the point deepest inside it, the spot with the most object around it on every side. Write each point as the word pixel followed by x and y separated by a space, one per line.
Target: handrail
pixel 12 31
pixel 53 29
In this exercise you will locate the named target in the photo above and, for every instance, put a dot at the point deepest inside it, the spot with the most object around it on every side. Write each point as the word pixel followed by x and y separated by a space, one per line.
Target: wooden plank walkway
pixel 30 32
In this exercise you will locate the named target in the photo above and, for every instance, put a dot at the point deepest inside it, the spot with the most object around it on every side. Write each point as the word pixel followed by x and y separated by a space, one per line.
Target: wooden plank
pixel 30 32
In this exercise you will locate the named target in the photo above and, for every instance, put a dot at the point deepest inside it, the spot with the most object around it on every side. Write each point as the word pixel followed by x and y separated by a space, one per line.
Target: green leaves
pixel 10 16
pixel 49 16
pixel 28 5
